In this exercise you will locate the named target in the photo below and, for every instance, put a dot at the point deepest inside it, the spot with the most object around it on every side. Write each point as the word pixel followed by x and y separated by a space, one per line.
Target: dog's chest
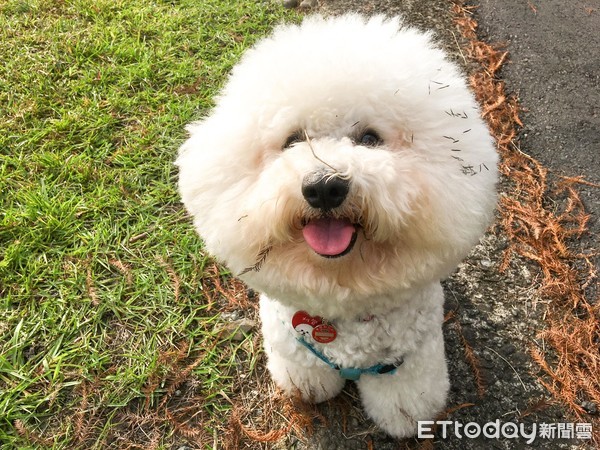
pixel 361 342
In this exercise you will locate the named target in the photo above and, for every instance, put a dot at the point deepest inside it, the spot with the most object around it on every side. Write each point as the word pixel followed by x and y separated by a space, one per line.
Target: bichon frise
pixel 343 172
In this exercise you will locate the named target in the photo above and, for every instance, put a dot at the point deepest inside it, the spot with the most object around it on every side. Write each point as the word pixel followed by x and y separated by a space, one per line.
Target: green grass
pixel 104 325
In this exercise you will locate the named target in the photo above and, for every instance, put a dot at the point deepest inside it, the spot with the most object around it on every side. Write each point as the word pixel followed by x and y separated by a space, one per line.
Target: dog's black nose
pixel 324 191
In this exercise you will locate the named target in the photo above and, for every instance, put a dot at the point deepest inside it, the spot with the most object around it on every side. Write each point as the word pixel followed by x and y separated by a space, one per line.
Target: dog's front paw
pixel 396 405
pixel 417 391
pixel 315 384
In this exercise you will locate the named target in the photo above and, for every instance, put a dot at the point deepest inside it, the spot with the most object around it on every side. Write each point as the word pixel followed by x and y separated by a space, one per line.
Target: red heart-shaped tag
pixel 313 326
pixel 302 317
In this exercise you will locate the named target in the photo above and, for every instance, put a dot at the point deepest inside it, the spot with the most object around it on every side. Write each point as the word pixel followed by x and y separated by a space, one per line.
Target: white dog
pixel 344 171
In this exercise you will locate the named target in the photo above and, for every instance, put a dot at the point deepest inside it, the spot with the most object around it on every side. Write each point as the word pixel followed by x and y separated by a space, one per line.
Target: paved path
pixel 554 67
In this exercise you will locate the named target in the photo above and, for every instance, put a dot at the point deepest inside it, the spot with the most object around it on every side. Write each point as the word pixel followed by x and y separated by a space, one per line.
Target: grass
pixel 107 338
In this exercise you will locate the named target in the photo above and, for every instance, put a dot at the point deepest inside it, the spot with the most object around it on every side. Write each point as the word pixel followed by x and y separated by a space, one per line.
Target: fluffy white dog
pixel 344 171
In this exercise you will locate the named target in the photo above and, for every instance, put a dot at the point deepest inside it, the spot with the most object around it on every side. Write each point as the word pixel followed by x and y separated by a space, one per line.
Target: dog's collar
pixel 353 373
pixel 323 332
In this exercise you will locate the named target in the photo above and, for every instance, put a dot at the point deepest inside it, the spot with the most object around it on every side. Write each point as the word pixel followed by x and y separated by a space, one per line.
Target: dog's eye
pixel 297 136
pixel 370 139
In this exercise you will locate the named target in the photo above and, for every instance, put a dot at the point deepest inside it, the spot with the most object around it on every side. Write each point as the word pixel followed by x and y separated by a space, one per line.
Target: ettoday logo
pixel 507 430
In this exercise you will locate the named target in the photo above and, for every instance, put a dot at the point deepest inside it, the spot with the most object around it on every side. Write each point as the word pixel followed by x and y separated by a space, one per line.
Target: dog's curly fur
pixel 374 106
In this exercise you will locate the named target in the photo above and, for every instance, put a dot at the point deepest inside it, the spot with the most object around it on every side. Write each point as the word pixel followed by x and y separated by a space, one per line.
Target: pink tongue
pixel 328 236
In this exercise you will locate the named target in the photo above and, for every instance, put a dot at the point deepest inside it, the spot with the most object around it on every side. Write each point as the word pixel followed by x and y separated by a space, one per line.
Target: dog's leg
pixel 292 366
pixel 417 391
pixel 315 383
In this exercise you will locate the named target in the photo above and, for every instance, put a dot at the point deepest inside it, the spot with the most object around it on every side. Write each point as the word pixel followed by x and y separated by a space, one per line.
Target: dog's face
pixel 342 161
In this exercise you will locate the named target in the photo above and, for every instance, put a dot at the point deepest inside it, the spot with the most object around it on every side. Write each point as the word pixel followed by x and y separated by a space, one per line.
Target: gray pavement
pixel 554 69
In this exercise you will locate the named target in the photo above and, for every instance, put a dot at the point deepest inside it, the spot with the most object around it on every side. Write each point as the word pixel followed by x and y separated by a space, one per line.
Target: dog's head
pixel 345 159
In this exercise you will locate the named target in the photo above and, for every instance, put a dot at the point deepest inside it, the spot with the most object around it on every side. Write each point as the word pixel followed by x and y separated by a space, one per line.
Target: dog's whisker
pixel 360 248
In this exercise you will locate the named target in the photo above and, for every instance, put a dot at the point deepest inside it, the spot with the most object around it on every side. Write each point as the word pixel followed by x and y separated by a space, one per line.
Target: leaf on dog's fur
pixel 260 259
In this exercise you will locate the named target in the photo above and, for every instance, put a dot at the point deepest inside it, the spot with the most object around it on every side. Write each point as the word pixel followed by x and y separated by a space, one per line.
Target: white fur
pixel 423 198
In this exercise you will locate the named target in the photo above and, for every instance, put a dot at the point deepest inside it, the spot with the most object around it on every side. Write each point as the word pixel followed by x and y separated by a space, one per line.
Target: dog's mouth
pixel 330 237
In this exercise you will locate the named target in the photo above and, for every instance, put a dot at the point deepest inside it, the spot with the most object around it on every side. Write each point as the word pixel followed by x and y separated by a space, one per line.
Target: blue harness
pixel 353 373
